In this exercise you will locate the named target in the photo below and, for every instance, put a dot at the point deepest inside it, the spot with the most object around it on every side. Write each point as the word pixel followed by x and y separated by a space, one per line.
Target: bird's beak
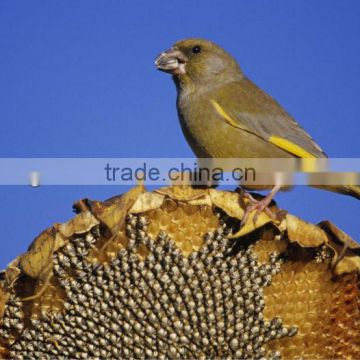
pixel 172 61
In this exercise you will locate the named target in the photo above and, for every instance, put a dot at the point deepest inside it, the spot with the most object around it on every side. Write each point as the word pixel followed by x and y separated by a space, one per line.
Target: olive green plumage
pixel 223 114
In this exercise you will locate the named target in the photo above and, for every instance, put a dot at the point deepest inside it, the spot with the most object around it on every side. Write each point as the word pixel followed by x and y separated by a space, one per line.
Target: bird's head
pixel 198 62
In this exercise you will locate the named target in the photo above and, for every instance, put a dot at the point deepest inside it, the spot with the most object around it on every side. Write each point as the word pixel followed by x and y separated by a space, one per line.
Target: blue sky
pixel 77 80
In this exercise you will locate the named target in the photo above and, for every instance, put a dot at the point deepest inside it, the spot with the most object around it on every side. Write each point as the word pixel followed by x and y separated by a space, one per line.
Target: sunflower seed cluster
pixel 323 254
pixel 13 320
pixel 207 305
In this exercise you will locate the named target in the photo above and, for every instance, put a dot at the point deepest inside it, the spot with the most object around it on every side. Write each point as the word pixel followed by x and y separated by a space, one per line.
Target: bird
pixel 223 114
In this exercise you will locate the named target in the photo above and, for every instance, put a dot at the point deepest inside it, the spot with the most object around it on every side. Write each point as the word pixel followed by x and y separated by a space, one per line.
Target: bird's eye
pixel 196 49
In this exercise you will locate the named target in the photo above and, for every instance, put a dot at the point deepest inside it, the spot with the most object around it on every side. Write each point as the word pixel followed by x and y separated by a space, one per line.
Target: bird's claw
pixel 259 206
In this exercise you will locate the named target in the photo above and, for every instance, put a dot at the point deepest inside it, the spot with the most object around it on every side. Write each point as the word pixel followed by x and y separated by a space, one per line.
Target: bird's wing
pixel 244 105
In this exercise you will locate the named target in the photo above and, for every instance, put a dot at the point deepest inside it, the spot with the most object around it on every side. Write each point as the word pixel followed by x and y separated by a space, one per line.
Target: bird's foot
pixel 259 206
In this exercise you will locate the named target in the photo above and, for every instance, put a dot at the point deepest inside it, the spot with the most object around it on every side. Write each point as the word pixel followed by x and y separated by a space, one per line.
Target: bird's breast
pixel 210 136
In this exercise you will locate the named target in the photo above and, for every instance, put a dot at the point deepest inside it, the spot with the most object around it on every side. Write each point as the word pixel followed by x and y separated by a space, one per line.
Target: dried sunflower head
pixel 169 274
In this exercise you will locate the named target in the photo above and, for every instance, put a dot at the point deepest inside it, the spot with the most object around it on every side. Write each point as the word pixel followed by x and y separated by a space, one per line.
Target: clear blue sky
pixel 77 80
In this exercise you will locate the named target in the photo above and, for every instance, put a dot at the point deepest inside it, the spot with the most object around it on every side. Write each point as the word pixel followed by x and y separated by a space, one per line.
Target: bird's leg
pixel 259 205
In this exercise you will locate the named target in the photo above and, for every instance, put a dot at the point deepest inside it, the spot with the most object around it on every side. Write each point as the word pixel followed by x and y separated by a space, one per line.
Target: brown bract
pixel 303 233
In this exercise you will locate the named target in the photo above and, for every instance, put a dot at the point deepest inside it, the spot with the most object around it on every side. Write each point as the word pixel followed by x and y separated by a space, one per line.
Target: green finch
pixel 223 114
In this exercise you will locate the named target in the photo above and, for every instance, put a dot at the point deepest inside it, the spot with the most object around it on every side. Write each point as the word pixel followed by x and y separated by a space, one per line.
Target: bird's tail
pixel 351 190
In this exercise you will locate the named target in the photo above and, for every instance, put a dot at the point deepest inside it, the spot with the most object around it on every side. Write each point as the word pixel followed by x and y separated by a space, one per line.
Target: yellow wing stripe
pixel 223 114
pixel 290 147
pixel 282 143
